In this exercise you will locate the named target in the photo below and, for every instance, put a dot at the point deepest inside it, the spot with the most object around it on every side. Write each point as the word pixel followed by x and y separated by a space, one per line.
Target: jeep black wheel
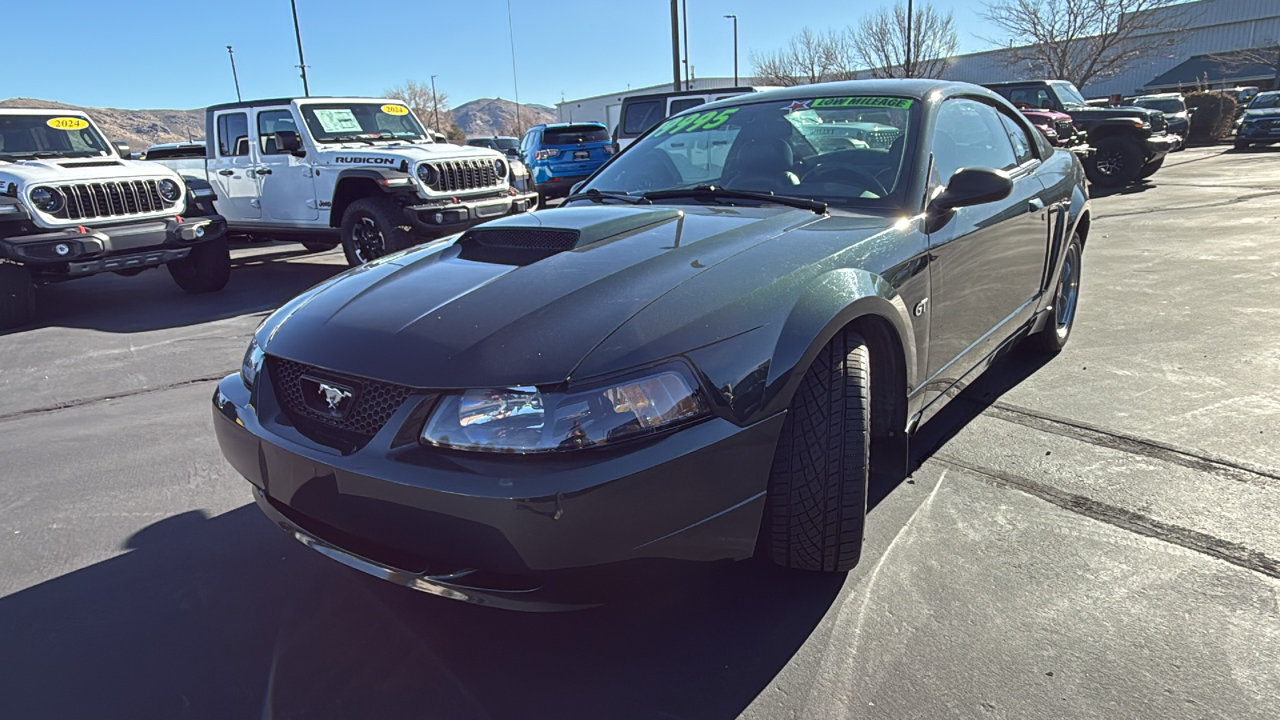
pixel 817 497
pixel 17 296
pixel 1066 296
pixel 1150 168
pixel 207 268
pixel 1115 162
pixel 318 247
pixel 373 227
pixel 1242 145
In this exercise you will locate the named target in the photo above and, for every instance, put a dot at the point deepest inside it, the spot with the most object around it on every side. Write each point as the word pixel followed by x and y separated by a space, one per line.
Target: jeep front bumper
pixel 86 250
pixel 1160 145
pixel 460 213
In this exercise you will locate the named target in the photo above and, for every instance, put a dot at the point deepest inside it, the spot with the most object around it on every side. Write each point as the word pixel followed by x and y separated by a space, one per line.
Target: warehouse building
pixel 1214 28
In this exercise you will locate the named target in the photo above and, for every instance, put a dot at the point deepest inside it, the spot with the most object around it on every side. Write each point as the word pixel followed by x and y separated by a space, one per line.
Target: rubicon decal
pixel 365 161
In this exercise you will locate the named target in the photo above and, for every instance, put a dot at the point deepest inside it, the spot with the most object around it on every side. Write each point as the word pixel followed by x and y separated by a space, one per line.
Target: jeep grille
pixel 463 175
pixel 111 199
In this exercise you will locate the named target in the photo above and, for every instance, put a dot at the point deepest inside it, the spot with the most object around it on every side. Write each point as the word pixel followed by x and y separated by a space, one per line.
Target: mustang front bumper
pixel 87 250
pixel 506 530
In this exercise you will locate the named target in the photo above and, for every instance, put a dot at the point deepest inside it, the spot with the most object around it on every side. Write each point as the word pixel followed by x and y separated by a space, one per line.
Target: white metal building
pixel 1215 26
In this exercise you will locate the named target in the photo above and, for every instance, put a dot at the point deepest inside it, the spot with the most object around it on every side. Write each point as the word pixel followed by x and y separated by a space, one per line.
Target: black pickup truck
pixel 1129 143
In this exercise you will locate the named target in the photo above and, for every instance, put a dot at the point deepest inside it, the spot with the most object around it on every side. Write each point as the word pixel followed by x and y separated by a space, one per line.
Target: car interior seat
pixel 763 164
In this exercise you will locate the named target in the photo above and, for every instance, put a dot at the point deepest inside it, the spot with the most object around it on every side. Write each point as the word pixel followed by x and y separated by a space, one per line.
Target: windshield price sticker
pixel 341 120
pixel 709 120
pixel 67 123
pixel 395 109
pixel 841 102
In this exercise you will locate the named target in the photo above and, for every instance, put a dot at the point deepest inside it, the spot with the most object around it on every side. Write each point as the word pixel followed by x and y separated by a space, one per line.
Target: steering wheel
pixel 868 181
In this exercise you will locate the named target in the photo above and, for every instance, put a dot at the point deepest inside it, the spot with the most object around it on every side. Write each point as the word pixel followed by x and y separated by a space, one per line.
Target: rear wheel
pixel 373 227
pixel 817 496
pixel 1150 168
pixel 1057 331
pixel 17 296
pixel 207 268
pixel 1116 161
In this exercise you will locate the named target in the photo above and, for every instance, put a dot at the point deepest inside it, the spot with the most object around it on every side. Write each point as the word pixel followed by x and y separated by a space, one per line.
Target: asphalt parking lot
pixel 1094 536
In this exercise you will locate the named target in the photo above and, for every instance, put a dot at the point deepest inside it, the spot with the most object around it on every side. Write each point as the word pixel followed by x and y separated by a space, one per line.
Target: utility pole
pixel 735 48
pixel 435 104
pixel 231 54
pixel 675 45
pixel 302 64
pixel 515 81
pixel 910 19
pixel 684 8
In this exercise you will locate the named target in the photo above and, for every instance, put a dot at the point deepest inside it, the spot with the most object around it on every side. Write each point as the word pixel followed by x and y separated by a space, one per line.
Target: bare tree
pixel 880 41
pixel 809 57
pixel 1267 56
pixel 432 110
pixel 1085 40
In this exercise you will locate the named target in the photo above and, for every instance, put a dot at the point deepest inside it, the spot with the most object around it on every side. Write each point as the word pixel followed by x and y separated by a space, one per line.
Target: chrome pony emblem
pixel 335 396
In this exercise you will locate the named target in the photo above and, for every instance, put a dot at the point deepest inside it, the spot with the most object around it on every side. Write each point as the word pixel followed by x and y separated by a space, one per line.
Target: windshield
pixel 1068 95
pixel 338 122
pixel 838 150
pixel 1166 105
pixel 1265 101
pixel 575 135
pixel 52 135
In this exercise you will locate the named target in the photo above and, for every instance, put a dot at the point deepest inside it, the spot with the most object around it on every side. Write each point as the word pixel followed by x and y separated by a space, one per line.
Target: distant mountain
pixel 139 129
pixel 495 116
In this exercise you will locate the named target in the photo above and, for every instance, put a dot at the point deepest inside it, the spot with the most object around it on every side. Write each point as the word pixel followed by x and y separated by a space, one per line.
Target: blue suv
pixel 560 155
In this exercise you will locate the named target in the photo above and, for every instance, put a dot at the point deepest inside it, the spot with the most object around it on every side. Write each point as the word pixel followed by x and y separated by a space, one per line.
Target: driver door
pixel 231 167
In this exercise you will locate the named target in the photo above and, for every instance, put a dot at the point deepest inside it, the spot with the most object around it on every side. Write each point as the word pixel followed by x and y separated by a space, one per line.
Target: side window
pixel 679 105
pixel 269 123
pixel 968 133
pixel 233 134
pixel 640 116
pixel 1022 143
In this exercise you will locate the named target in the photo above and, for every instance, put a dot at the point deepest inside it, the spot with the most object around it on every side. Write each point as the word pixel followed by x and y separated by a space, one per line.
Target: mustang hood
pixel 435 317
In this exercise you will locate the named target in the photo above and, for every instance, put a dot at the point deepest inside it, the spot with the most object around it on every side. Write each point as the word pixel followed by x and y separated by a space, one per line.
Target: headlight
pixel 169 190
pixel 252 363
pixel 47 199
pixel 500 167
pixel 526 420
pixel 427 174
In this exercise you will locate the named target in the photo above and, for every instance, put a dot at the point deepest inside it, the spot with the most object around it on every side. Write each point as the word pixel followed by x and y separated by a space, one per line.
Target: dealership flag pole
pixel 515 81
pixel 234 76
pixel 302 64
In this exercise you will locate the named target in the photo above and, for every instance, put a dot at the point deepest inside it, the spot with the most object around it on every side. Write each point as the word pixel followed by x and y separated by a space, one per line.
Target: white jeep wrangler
pixel 357 171
pixel 71 205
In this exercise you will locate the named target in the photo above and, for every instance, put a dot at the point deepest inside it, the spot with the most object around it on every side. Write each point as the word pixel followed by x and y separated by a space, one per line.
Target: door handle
pixel 263 171
pixel 1036 205
pixel 227 172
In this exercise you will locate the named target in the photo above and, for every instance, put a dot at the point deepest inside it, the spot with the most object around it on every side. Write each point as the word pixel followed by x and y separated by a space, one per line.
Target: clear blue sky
pixel 167 54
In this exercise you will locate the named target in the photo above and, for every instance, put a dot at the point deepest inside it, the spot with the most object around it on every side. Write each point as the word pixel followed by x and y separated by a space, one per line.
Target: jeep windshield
pixel 362 122
pixel 1165 105
pixel 1069 96
pixel 843 151
pixel 26 137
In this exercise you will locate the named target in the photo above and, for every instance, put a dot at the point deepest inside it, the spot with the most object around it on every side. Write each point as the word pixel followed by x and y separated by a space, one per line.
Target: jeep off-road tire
pixel 816 505
pixel 373 227
pixel 1066 297
pixel 319 247
pixel 207 268
pixel 17 296
pixel 1115 162
pixel 1150 168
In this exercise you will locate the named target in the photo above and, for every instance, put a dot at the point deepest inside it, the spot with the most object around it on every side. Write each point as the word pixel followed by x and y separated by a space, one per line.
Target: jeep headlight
pixel 500 167
pixel 170 191
pixel 427 174
pixel 529 420
pixel 47 199
pixel 251 365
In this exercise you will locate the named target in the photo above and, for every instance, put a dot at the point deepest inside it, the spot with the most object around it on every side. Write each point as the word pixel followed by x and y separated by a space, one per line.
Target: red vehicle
pixel 1055 126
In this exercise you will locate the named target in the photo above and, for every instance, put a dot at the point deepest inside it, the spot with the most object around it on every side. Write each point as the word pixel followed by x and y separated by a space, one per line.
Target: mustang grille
pixel 111 199
pixel 373 402
pixel 463 175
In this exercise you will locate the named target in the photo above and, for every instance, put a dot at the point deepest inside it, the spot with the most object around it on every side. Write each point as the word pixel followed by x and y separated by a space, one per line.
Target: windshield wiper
pixel 714 192
pixel 349 138
pixel 601 197
pixel 36 154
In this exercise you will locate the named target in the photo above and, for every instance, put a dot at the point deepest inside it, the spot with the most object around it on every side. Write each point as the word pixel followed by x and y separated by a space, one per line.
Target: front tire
pixel 373 227
pixel 1115 162
pixel 1150 168
pixel 1057 331
pixel 817 497
pixel 207 268
pixel 17 296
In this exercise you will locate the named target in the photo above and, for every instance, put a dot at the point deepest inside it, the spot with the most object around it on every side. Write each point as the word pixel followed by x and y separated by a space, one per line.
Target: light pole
pixel 515 81
pixel 908 62
pixel 231 54
pixel 684 9
pixel 734 18
pixel 302 64
pixel 435 104
pixel 675 45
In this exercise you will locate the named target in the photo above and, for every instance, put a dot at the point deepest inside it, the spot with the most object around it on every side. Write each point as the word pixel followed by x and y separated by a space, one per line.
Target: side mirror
pixel 125 151
pixel 289 141
pixel 973 186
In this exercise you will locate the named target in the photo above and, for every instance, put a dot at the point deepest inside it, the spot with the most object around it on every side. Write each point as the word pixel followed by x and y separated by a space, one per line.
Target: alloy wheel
pixel 1110 163
pixel 1068 291
pixel 369 243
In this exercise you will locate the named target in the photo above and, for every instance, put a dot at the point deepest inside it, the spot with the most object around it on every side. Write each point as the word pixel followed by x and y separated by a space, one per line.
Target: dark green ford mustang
pixel 698 358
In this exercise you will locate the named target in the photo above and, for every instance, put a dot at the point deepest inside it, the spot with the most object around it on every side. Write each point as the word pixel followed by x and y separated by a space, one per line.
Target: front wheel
pixel 1150 168
pixel 817 497
pixel 207 268
pixel 1053 337
pixel 1115 162
pixel 373 227
pixel 17 296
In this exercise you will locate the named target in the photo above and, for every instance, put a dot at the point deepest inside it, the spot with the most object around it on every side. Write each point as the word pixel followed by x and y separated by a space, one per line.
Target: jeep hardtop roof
pixel 42 111
pixel 289 100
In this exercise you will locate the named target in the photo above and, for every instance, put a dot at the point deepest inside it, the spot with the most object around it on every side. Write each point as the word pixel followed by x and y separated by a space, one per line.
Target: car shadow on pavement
pixel 1097 191
pixel 261 280
pixel 226 617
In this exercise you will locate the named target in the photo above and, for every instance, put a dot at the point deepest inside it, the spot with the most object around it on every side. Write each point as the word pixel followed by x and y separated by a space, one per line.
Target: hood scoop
pixel 91 163
pixel 526 239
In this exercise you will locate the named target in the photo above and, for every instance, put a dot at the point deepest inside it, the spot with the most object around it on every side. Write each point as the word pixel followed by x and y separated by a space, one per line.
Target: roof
pixel 919 88
pixel 288 100
pixel 569 124
pixel 1199 68
pixel 42 111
